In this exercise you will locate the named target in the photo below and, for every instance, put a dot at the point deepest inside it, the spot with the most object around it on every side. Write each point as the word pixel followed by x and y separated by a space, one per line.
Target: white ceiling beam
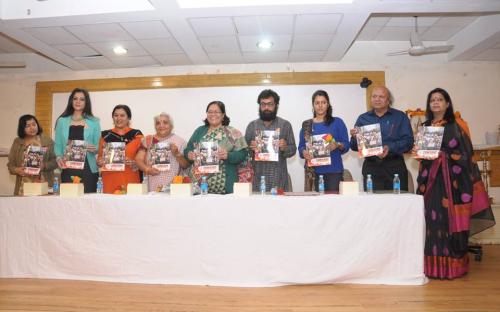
pixel 480 35
pixel 346 33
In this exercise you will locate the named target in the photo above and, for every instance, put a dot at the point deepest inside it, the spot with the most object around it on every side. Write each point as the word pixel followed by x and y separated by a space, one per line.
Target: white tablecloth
pixel 215 240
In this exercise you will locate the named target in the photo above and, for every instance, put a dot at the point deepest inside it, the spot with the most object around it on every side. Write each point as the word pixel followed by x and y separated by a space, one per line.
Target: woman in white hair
pixel 159 161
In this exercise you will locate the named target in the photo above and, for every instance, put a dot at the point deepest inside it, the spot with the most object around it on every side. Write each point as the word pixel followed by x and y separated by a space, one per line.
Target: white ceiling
pixel 80 35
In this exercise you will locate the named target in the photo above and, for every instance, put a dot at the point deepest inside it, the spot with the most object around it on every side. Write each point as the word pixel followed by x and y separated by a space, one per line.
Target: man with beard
pixel 276 172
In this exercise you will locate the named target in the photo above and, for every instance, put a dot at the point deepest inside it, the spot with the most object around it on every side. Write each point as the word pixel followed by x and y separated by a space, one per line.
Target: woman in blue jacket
pixel 78 123
pixel 334 131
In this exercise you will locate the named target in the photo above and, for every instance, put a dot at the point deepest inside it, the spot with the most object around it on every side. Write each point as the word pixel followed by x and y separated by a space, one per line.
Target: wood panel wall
pixel 46 89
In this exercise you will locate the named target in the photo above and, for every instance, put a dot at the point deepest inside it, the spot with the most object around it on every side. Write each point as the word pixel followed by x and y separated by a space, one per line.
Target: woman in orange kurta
pixel 118 180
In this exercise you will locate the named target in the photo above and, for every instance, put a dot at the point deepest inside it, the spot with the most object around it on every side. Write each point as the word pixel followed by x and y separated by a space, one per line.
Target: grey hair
pixel 163 114
pixel 389 94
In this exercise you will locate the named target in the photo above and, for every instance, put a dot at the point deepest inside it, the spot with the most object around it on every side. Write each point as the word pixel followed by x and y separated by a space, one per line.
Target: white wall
pixel 187 108
pixel 474 86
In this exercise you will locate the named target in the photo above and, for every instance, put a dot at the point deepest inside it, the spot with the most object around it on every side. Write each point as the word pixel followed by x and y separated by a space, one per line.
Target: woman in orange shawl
pixel 116 181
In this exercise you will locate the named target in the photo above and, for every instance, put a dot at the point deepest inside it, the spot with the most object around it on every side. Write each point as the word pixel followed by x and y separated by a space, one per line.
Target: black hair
pixel 222 107
pixel 87 110
pixel 21 126
pixel 267 94
pixel 125 108
pixel 328 116
pixel 449 115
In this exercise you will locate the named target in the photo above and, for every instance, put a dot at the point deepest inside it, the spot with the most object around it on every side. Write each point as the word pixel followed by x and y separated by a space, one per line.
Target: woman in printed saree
pixel 116 181
pixel 30 142
pixel 150 149
pixel 216 150
pixel 456 203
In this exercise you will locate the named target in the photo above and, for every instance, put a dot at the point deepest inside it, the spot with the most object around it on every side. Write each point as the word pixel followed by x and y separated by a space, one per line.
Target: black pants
pixel 383 170
pixel 332 181
pixel 89 179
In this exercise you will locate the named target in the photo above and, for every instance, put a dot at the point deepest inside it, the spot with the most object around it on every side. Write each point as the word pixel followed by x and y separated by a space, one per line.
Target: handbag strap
pixel 307 127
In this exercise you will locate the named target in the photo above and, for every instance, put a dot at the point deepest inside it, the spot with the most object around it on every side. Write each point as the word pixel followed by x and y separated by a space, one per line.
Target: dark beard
pixel 267 116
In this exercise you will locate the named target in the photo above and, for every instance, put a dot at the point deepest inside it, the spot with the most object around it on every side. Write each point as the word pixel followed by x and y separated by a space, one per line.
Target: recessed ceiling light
pixel 119 50
pixel 264 44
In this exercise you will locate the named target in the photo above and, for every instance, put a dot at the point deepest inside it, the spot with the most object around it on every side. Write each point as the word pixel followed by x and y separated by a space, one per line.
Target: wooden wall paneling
pixel 46 89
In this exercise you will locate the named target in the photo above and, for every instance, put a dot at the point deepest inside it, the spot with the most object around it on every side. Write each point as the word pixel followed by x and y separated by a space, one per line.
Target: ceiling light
pixel 119 50
pixel 264 44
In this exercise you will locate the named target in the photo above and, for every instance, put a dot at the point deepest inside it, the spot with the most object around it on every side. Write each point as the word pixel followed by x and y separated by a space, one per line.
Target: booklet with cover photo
pixel 33 158
pixel 428 141
pixel 267 145
pixel 369 139
pixel 318 148
pixel 207 157
pixel 75 153
pixel 114 156
pixel 161 156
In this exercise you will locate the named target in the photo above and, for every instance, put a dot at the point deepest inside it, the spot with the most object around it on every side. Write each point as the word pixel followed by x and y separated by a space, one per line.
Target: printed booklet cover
pixel 369 139
pixel 114 156
pixel 75 153
pixel 267 145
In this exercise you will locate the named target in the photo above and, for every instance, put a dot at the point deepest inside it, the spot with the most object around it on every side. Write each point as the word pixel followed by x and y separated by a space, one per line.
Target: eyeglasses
pixel 213 113
pixel 267 104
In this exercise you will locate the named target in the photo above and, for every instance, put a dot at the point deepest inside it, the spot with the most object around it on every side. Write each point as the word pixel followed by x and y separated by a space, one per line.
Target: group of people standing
pixel 453 193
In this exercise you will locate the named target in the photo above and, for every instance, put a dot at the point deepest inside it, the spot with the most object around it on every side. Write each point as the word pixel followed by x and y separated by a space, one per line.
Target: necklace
pixel 76 119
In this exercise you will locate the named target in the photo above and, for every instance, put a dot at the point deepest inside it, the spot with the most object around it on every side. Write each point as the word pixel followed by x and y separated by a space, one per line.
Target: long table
pixel 215 240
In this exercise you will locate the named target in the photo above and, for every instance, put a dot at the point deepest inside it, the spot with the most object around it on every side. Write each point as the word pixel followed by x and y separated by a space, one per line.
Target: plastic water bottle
pixel 396 184
pixel 100 186
pixel 369 183
pixel 145 180
pixel 321 184
pixel 204 185
pixel 262 185
pixel 55 186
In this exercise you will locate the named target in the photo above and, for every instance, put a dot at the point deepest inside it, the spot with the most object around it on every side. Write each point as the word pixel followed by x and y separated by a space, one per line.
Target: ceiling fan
pixel 12 64
pixel 417 48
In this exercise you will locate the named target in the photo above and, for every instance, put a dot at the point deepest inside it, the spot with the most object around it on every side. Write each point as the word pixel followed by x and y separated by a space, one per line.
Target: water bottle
pixel 262 185
pixel 204 185
pixel 100 186
pixel 321 184
pixel 396 184
pixel 369 183
pixel 55 186
pixel 145 180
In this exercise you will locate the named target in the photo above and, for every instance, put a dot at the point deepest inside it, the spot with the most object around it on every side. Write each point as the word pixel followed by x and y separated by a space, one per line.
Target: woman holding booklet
pixel 216 150
pixel 31 156
pixel 117 151
pixel 323 141
pixel 456 204
pixel 76 137
pixel 160 156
